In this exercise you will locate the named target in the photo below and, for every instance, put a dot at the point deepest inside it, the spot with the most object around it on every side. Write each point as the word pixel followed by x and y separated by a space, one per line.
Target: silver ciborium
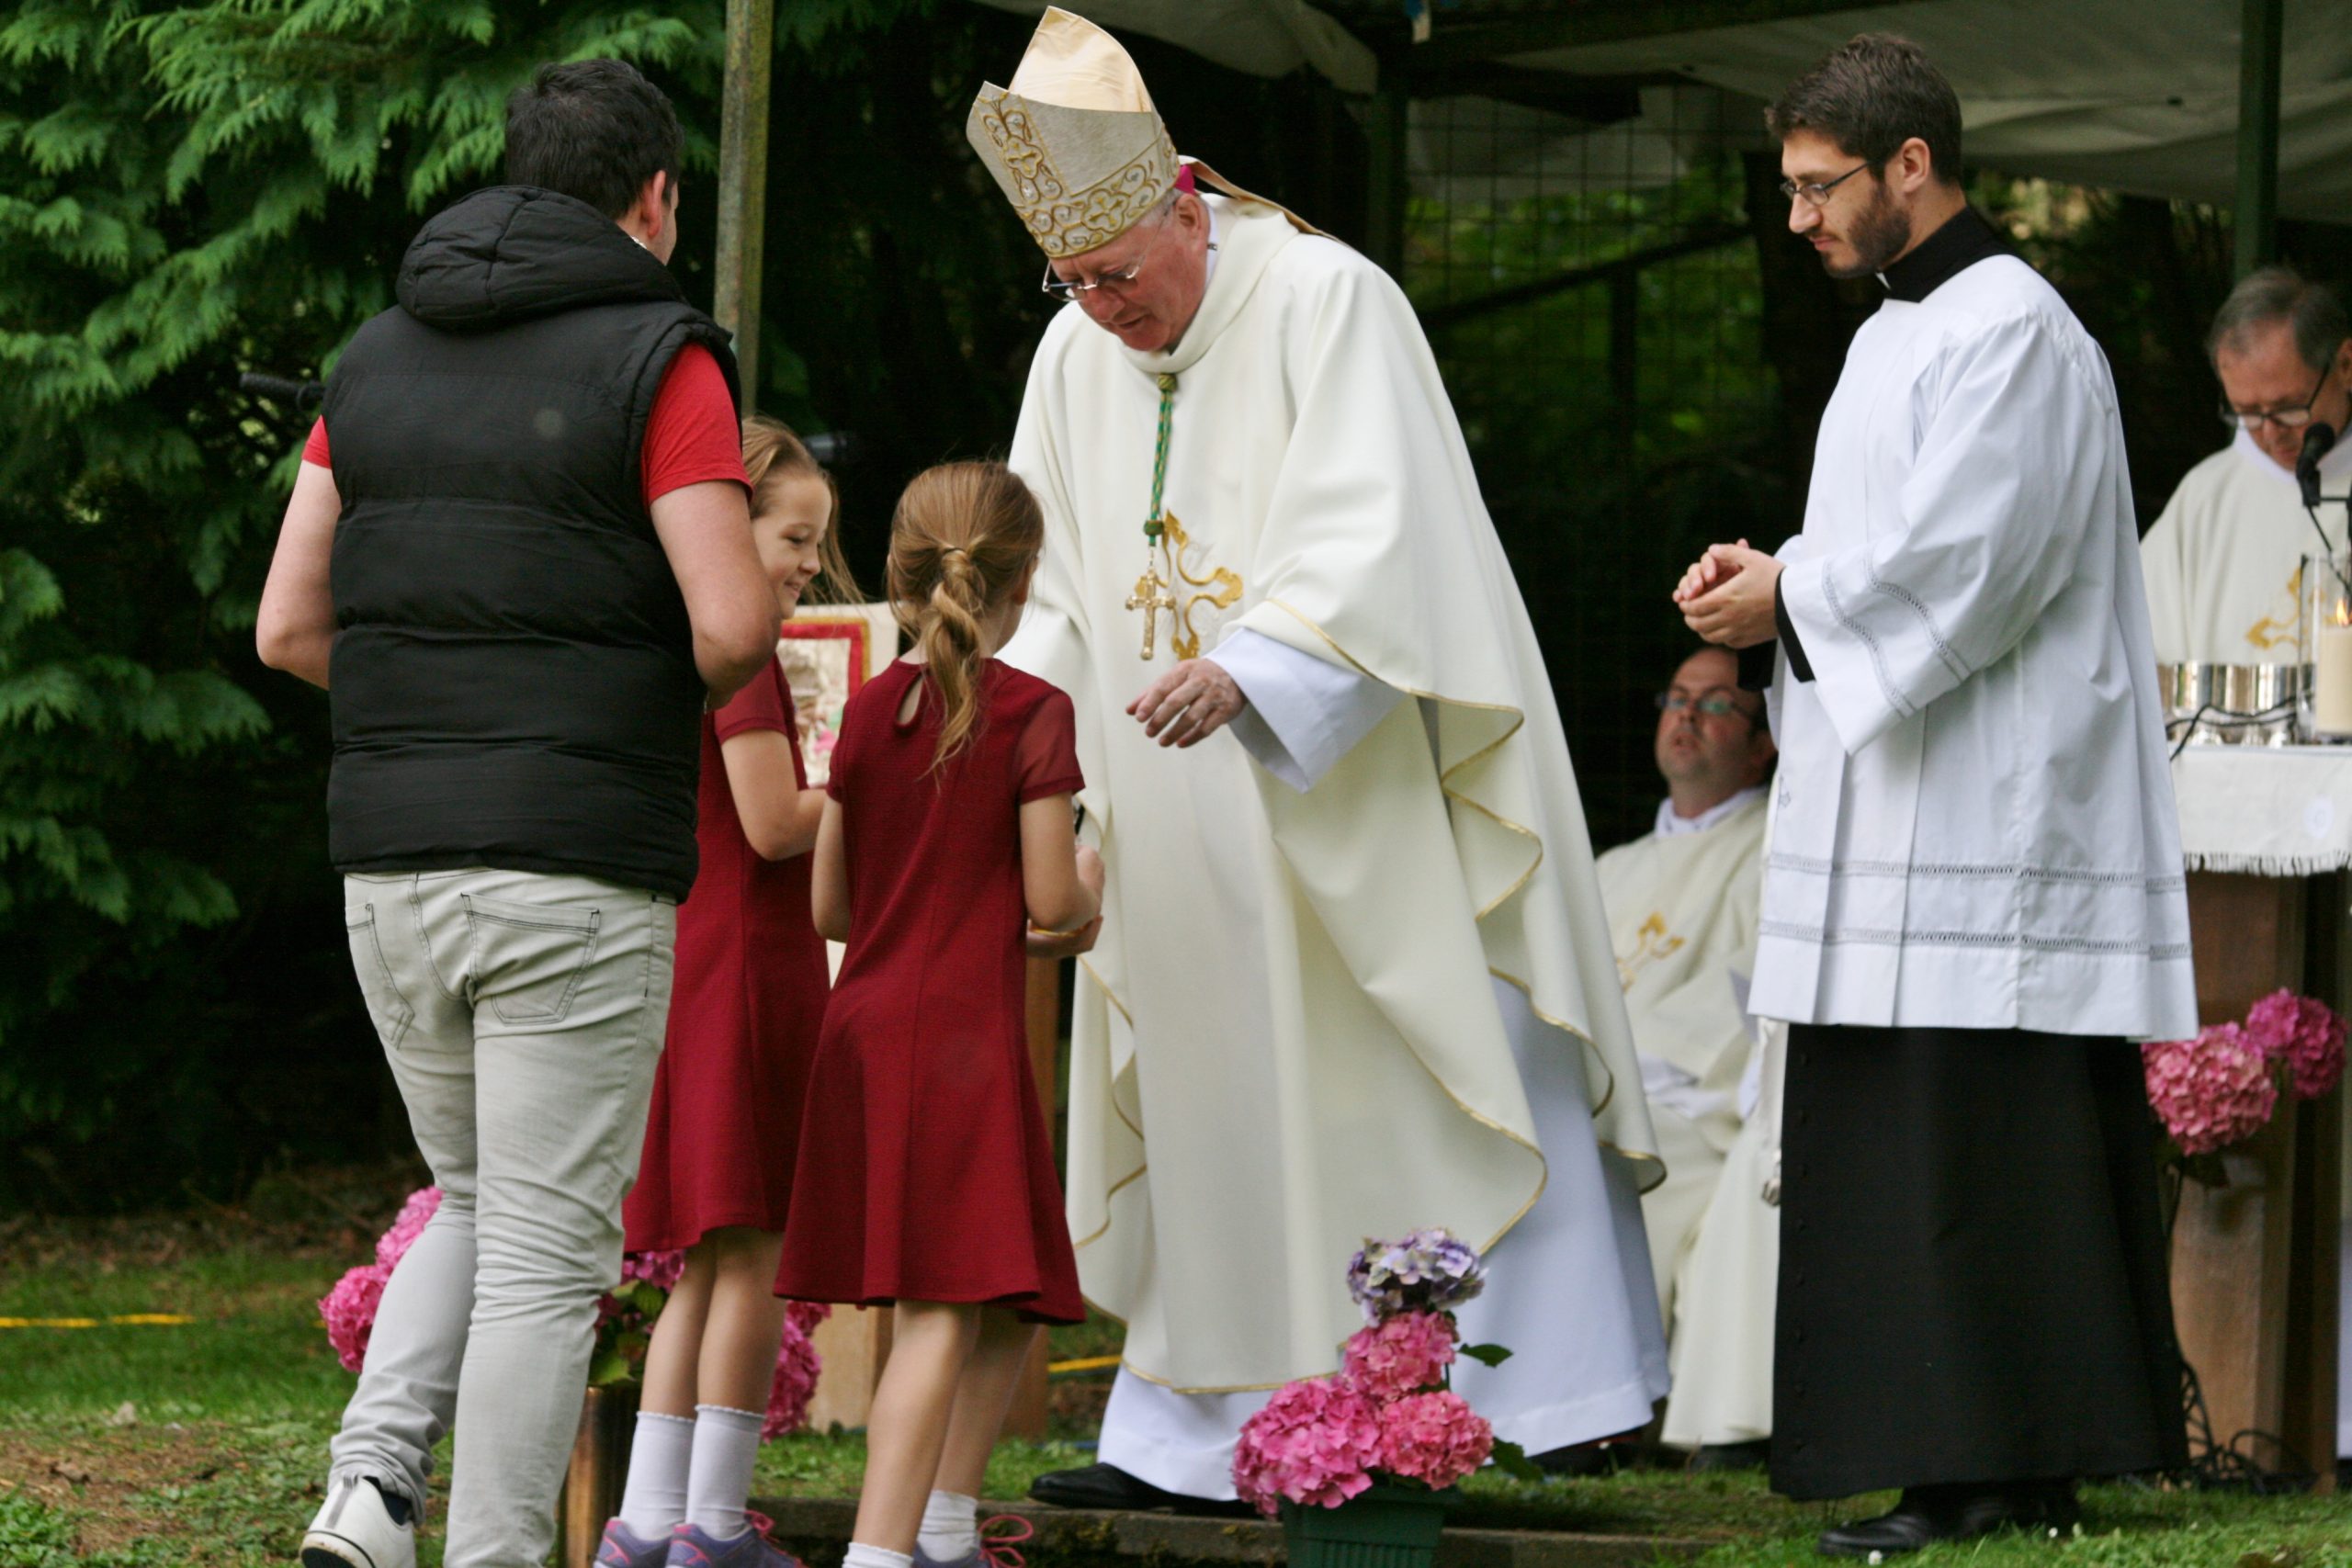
pixel 2230 705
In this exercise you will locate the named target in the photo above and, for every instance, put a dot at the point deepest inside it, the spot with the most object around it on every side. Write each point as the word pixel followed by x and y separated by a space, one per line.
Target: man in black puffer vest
pixel 520 545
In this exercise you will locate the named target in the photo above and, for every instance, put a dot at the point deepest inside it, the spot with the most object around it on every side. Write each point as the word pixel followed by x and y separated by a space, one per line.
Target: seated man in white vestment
pixel 1682 911
pixel 1353 975
pixel 2224 562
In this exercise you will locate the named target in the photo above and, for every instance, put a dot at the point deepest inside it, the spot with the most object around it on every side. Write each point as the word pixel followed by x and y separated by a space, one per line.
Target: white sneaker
pixel 356 1530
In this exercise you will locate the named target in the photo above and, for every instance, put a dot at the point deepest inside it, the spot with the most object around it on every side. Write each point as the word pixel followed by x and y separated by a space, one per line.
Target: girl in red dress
pixel 724 1122
pixel 926 1176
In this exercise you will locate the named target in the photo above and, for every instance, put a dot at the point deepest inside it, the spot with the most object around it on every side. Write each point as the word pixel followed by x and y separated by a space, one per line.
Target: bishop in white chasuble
pixel 1331 975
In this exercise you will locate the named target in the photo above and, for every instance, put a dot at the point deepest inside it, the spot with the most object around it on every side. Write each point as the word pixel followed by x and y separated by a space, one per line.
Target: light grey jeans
pixel 523 1015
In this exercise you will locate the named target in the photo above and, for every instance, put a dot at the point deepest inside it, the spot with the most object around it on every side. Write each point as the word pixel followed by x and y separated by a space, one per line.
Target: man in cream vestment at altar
pixel 1682 911
pixel 2224 560
pixel 1352 975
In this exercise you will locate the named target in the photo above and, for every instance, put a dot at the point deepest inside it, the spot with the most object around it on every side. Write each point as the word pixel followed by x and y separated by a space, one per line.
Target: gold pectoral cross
pixel 1151 596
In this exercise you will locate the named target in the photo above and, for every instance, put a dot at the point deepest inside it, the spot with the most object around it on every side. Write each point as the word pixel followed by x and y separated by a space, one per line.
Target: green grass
pixel 218 1460
pixel 256 1350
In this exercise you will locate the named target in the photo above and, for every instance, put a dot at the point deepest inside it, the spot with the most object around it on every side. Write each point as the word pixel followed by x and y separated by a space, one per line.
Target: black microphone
pixel 303 397
pixel 2317 439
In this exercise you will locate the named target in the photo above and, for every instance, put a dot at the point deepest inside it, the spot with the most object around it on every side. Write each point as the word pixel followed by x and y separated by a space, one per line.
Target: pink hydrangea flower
pixel 350 1311
pixel 1315 1443
pixel 2212 1091
pixel 1435 1438
pixel 796 1366
pixel 2304 1034
pixel 407 1225
pixel 1401 1355
pixel 660 1269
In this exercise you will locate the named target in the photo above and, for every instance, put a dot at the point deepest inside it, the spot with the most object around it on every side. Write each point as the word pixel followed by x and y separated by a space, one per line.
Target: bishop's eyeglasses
pixel 1115 280
pixel 2285 419
pixel 1817 192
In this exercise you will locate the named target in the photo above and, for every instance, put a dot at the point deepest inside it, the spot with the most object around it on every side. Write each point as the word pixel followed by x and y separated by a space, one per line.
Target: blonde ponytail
pixel 960 543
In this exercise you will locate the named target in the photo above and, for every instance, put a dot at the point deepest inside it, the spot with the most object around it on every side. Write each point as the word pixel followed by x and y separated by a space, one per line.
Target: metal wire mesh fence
pixel 1592 294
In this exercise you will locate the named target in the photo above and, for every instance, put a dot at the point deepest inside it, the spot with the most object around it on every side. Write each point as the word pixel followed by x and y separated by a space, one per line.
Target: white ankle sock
pixel 726 1442
pixel 951 1528
pixel 655 1497
pixel 861 1555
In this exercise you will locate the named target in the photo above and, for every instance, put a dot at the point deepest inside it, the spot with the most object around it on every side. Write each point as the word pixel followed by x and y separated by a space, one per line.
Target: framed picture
pixel 828 651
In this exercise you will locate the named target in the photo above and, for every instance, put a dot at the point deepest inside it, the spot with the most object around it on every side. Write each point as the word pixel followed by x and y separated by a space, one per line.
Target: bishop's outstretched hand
pixel 1192 702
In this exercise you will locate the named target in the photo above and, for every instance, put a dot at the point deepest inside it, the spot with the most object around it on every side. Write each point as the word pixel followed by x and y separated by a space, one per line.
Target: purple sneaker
pixel 624 1547
pixel 691 1548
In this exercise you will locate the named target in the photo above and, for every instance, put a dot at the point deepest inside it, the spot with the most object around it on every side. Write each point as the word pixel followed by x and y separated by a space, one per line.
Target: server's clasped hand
pixel 1729 593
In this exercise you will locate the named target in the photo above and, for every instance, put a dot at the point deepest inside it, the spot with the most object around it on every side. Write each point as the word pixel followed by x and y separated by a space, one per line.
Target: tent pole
pixel 2260 27
pixel 1384 210
pixel 743 182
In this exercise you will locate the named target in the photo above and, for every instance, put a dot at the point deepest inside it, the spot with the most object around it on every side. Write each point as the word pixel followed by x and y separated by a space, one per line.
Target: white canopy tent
pixel 2137 95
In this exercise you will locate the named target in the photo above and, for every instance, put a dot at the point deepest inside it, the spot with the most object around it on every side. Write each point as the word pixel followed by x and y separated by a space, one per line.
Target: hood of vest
pixel 512 253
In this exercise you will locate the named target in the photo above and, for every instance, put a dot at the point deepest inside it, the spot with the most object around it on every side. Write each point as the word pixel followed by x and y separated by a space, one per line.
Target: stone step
pixel 818 1528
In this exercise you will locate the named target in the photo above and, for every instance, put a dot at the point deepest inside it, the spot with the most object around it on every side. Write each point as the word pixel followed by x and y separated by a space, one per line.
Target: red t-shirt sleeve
pixel 692 436
pixel 1046 760
pixel 758 706
pixel 314 450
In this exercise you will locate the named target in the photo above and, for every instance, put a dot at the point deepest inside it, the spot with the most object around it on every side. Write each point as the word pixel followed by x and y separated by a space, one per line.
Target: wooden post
pixel 596 1473
pixel 743 182
pixel 2253 1280
pixel 2260 28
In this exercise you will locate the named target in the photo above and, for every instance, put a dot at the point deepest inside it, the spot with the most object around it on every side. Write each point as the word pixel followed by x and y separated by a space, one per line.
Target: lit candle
pixel 2332 702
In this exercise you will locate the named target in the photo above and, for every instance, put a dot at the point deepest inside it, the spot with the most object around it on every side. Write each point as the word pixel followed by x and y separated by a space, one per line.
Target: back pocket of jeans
pixel 386 1007
pixel 528 959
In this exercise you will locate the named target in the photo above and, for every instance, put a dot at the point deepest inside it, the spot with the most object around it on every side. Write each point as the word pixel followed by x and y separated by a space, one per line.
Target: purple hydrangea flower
pixel 1425 1270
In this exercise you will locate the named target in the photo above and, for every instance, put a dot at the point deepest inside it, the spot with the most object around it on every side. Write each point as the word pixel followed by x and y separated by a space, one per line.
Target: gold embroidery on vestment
pixel 1220 589
pixel 1652 943
pixel 2276 631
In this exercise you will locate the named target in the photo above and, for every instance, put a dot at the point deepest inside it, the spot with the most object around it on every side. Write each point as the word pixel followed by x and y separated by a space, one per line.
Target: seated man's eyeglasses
pixel 2252 420
pixel 1711 704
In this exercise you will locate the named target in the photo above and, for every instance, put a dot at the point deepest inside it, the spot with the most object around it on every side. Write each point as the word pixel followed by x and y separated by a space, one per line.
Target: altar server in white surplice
pixel 2224 562
pixel 1974 900
pixel 1682 909
pixel 1352 975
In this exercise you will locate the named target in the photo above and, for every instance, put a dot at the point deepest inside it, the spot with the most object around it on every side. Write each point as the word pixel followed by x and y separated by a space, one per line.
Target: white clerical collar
pixel 2335 466
pixel 1669 826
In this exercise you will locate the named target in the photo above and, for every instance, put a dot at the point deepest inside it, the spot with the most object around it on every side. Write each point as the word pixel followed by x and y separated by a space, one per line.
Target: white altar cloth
pixel 2266 810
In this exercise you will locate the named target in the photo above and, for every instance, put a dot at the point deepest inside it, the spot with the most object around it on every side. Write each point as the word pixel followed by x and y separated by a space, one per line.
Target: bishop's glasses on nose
pixel 2285 419
pixel 1114 280
pixel 1119 278
pixel 1817 192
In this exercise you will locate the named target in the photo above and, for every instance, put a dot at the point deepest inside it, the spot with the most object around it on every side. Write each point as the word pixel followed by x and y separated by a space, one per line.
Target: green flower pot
pixel 1388 1527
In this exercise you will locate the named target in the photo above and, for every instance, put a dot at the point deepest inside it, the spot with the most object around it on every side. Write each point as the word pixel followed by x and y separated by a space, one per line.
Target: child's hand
pixel 1090 869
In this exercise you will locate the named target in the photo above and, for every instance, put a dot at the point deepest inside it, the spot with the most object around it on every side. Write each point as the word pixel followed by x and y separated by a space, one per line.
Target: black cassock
pixel 1973 1263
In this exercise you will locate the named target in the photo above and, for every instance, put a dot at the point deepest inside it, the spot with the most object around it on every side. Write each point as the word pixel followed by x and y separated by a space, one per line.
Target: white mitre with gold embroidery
pixel 1077 146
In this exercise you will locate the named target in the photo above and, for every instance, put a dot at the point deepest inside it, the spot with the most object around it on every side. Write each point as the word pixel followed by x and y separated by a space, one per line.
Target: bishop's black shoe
pixel 1108 1487
pixel 1752 1455
pixel 1929 1514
